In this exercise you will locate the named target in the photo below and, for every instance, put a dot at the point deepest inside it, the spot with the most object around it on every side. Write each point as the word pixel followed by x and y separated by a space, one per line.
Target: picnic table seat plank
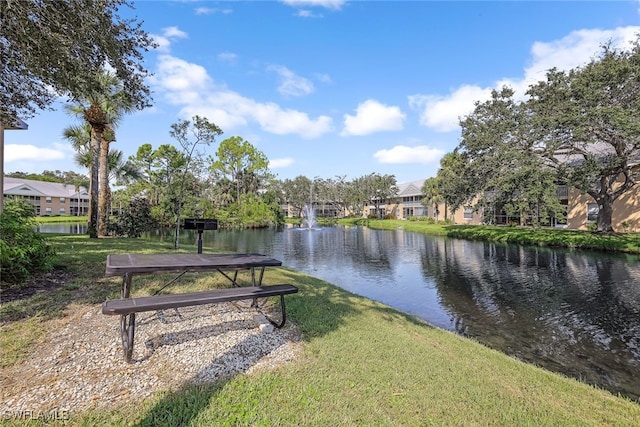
pixel 128 307
pixel 165 301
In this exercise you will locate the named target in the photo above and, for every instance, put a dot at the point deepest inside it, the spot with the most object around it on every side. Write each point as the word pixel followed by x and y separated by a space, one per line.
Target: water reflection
pixel 62 228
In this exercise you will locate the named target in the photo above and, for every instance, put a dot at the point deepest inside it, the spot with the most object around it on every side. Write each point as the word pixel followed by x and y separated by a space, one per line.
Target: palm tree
pixel 80 138
pixel 101 109
pixel 432 196
pixel 121 171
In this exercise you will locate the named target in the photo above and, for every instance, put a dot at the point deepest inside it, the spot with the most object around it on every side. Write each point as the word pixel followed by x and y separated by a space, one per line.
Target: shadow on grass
pixel 83 260
pixel 317 309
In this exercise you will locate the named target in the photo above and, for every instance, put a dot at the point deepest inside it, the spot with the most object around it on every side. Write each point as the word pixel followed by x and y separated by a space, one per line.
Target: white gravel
pixel 80 365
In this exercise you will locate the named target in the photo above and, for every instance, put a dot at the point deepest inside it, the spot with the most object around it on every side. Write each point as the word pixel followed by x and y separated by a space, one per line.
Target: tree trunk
pixel 103 209
pixel 605 213
pixel 96 137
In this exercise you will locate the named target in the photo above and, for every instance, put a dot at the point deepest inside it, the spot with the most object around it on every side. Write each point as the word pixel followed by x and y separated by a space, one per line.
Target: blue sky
pixel 328 88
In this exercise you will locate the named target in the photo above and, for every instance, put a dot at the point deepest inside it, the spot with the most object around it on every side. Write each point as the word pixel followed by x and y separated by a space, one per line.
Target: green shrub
pixel 133 220
pixel 23 251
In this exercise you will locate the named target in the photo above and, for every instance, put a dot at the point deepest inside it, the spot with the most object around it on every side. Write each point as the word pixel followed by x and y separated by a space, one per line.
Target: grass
pixel 552 237
pixel 362 363
pixel 56 219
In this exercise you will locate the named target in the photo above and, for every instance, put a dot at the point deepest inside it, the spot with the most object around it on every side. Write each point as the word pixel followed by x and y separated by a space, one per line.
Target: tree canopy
pixel 579 127
pixel 59 48
pixel 587 121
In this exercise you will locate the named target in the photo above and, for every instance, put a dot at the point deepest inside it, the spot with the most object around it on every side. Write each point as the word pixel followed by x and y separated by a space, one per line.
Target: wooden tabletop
pixel 119 264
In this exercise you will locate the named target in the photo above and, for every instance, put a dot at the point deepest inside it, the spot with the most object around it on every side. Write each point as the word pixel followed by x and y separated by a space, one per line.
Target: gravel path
pixel 80 366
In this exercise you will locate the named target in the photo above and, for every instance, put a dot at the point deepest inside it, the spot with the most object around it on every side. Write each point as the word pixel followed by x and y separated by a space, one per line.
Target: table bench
pixel 136 264
pixel 128 307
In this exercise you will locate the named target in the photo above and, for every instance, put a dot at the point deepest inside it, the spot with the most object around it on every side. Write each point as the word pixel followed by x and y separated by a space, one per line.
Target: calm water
pixel 578 314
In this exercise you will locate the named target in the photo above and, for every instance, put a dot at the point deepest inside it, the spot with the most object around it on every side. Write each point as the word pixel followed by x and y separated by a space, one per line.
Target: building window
pixel 592 212
pixel 47 199
pixel 62 211
pixel 468 213
pixel 48 211
pixel 62 200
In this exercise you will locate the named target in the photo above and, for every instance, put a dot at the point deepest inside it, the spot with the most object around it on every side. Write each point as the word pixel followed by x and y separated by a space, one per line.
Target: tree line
pixel 579 128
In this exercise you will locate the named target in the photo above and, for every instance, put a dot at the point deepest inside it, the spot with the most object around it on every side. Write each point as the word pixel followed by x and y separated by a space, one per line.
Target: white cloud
pixel 290 83
pixel 323 78
pixel 372 116
pixel 404 154
pixel 211 10
pixel 304 13
pixel 182 79
pixel 571 51
pixel 280 163
pixel 441 112
pixel 188 85
pixel 162 42
pixel 19 152
pixel 174 32
pixel 327 4
pixel 168 33
pixel 227 57
pixel 274 119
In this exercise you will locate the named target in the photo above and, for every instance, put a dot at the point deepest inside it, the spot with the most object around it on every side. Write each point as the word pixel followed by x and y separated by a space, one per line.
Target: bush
pixel 133 220
pixel 23 251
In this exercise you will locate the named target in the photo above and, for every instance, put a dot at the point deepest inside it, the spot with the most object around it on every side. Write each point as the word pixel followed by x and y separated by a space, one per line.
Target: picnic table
pixel 130 265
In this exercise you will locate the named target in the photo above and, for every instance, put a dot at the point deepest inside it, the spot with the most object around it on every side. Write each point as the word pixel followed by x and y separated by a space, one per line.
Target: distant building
pixel 581 209
pixel 48 198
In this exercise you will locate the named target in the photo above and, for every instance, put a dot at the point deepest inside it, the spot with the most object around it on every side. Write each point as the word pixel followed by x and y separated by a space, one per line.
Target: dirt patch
pixel 39 283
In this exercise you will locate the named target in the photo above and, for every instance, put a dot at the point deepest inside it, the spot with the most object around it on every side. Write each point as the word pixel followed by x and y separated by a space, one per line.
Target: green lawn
pixel 554 237
pixel 56 219
pixel 362 363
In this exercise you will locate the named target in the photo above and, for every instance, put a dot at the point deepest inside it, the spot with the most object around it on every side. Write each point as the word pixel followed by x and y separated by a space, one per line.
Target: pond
pixel 577 313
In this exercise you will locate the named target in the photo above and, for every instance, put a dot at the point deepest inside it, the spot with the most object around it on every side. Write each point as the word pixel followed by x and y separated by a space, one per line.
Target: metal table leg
pixel 127 329
pixel 127 321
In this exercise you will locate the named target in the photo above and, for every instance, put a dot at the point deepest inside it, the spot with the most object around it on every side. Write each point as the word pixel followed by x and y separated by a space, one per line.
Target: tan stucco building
pixel 48 198
pixel 581 209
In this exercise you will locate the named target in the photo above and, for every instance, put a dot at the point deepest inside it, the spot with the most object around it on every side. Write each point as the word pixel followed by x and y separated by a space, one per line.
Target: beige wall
pixel 55 204
pixel 625 209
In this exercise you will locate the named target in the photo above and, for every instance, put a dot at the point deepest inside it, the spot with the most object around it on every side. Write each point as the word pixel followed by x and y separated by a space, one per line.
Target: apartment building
pixel 48 198
pixel 581 209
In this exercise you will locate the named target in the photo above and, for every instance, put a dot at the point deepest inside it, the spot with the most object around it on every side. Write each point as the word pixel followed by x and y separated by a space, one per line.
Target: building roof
pixel 600 150
pixel 28 187
pixel 412 188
